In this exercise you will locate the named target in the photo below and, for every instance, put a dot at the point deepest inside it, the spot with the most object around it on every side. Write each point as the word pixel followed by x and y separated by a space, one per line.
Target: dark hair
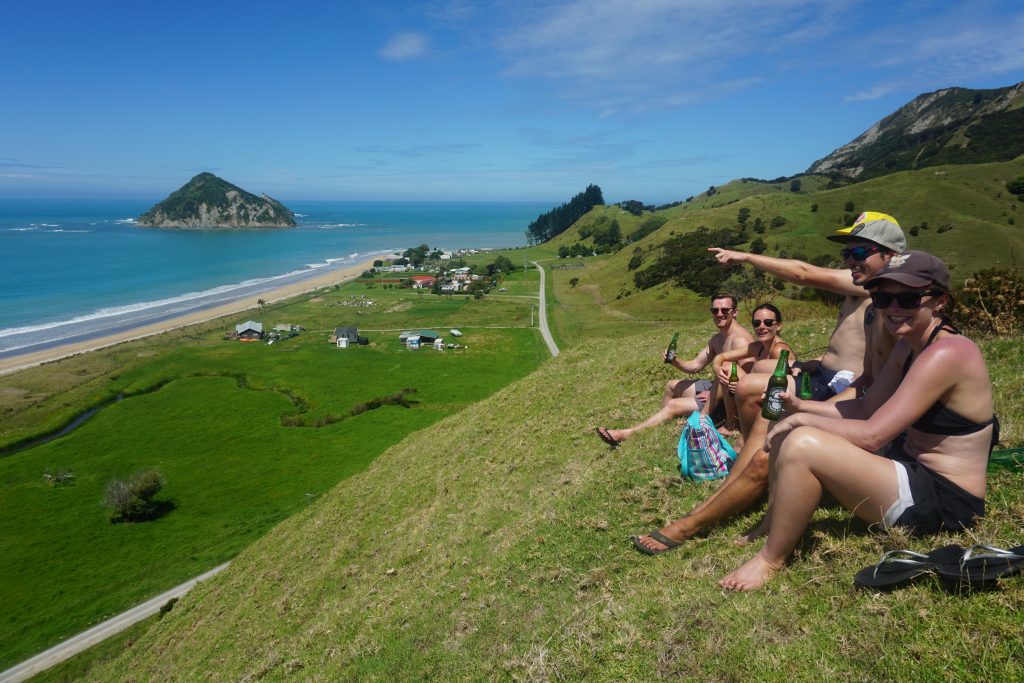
pixel 768 307
pixel 732 297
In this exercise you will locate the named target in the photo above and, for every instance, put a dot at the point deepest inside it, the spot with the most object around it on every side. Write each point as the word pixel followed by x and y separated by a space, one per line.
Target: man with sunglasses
pixel 857 349
pixel 683 396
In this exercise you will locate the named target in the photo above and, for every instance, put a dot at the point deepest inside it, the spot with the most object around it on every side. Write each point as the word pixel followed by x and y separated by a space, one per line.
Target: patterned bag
pixel 704 453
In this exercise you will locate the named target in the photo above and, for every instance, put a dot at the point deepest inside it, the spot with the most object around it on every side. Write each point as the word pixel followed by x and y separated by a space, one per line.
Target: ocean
pixel 80 269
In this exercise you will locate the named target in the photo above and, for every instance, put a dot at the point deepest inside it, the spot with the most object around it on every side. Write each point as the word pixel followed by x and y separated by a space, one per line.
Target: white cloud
pixel 402 47
pixel 667 52
pixel 875 93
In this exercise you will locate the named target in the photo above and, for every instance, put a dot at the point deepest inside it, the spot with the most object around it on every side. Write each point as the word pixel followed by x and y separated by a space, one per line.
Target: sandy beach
pixel 20 362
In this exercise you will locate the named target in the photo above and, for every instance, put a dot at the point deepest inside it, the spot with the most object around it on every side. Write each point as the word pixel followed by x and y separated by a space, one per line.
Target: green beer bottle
pixel 733 378
pixel 670 354
pixel 772 407
pixel 805 386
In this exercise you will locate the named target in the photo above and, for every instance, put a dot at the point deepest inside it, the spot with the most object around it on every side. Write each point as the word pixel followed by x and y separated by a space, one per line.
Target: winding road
pixel 545 331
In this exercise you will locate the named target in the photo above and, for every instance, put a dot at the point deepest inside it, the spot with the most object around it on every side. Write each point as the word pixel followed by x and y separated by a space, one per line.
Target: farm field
pixel 245 435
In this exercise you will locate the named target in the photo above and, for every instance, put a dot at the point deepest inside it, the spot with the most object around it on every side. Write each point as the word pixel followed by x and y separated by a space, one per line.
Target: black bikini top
pixel 939 419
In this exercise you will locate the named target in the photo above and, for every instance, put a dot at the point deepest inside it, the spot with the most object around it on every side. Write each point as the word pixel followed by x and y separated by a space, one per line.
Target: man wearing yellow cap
pixel 856 353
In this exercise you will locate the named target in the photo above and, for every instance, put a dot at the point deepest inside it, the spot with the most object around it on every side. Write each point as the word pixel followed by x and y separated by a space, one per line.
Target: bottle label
pixel 773 401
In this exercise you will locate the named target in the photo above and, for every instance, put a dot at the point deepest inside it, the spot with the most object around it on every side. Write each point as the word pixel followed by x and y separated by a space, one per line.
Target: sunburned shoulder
pixel 951 353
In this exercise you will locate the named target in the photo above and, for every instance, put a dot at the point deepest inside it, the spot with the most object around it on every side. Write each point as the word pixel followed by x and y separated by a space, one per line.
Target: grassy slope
pixel 500 550
pixel 509 550
pixel 967 197
pixel 234 469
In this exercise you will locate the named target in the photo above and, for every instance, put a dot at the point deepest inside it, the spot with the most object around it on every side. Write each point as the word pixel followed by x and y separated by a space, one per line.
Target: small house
pixel 428 336
pixel 249 331
pixel 439 344
pixel 343 336
pixel 422 281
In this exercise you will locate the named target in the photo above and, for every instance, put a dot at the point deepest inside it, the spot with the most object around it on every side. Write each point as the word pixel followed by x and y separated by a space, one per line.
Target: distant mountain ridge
pixel 948 126
pixel 207 201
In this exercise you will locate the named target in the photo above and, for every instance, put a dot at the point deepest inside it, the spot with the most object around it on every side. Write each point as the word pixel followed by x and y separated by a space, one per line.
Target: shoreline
pixel 30 359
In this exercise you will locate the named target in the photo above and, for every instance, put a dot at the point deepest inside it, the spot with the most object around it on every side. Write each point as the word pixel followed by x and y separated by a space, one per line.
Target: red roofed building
pixel 422 281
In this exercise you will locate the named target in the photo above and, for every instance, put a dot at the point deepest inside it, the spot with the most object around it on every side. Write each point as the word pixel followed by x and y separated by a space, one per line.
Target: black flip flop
pixel 982 565
pixel 902 567
pixel 607 438
pixel 660 538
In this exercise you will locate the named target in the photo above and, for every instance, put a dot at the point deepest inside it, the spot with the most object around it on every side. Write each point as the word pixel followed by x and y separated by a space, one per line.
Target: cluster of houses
pixel 252 331
pixel 452 281
pixel 343 337
pixel 421 338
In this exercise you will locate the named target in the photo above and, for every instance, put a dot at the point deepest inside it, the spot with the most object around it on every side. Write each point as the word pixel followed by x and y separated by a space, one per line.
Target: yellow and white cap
pixel 872 226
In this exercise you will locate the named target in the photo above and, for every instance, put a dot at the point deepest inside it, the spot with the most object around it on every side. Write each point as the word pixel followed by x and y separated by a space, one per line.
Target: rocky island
pixel 207 201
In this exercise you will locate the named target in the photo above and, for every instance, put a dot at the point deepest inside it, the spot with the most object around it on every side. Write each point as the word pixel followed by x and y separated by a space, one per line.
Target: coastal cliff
pixel 207 201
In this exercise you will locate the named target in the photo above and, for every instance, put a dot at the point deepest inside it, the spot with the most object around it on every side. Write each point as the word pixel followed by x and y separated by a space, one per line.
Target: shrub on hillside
pixel 131 500
pixel 686 261
pixel 1016 186
pixel 991 303
pixel 647 227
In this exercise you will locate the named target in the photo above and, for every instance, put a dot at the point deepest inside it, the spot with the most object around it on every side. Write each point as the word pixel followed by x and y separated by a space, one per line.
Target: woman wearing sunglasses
pixel 766 322
pixel 931 409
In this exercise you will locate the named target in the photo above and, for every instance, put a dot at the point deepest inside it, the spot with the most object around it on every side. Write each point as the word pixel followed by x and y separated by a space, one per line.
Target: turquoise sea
pixel 76 269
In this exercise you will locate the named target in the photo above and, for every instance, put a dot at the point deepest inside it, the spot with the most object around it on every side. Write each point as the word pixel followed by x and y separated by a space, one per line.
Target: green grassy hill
pixel 964 214
pixel 493 545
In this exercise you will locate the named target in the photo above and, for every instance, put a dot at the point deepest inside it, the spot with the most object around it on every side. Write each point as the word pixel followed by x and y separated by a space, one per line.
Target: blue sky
pixel 462 100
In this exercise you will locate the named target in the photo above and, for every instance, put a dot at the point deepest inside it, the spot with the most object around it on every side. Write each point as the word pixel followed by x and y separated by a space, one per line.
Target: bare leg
pixel 809 461
pixel 744 486
pixel 678 400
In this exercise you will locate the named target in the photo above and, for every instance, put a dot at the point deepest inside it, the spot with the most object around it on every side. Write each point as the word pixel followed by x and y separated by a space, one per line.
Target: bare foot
pixel 759 531
pixel 754 573
pixel 728 430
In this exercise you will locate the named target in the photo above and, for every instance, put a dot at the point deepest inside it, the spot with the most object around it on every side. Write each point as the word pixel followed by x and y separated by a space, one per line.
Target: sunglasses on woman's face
pixel 908 301
pixel 767 322
pixel 721 311
pixel 859 253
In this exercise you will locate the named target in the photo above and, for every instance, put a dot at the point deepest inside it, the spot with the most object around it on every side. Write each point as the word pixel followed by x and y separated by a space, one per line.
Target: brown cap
pixel 914 269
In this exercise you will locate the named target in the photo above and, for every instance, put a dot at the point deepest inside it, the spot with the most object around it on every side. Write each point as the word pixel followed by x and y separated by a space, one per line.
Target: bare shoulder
pixel 739 336
pixel 953 349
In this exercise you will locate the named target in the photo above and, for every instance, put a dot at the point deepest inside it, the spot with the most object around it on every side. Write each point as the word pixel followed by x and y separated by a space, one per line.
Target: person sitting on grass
pixel 935 388
pixel 683 396
pixel 766 321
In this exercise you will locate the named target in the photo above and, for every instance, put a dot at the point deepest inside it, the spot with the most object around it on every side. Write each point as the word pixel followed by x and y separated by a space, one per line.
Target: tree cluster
pixel 558 220
pixel 686 261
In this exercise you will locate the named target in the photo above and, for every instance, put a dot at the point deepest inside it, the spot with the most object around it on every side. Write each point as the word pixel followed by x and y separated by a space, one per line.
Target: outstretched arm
pixel 835 280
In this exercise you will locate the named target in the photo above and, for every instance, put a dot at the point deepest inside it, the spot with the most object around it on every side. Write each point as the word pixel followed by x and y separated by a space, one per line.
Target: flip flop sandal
pixel 660 538
pixel 980 569
pixel 607 438
pixel 902 567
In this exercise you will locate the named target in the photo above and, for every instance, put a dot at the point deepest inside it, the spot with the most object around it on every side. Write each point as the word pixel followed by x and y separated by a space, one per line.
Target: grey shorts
pixel 718 414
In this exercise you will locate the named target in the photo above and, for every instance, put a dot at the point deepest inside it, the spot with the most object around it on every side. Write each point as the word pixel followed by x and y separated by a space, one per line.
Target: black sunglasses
pixel 859 253
pixel 767 323
pixel 719 311
pixel 908 301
